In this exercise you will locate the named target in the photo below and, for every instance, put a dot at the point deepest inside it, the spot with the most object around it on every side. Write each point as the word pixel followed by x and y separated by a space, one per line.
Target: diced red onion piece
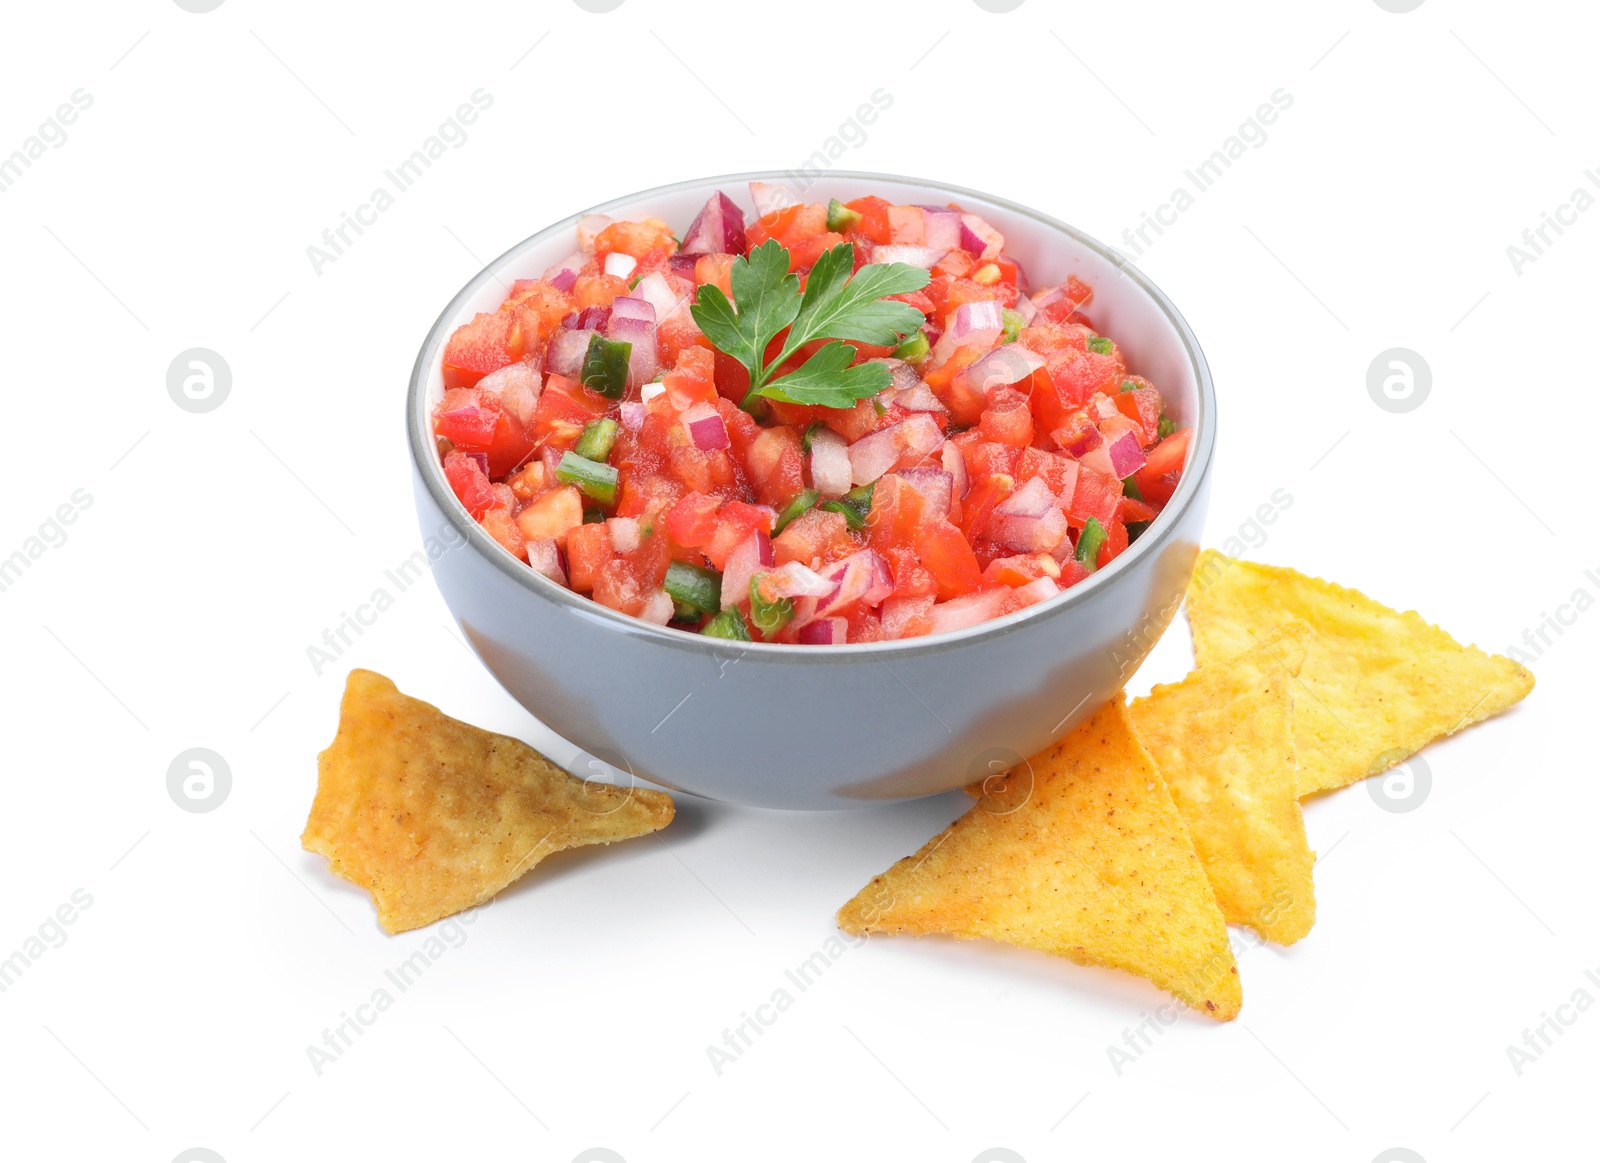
pixel 862 577
pixel 565 354
pixel 769 199
pixel 959 613
pixel 743 564
pixel 977 319
pixel 934 484
pixel 1026 308
pixel 956 465
pixel 1033 499
pixel 1037 590
pixel 1084 443
pixel 589 226
pixel 663 299
pixel 794 580
pixel 658 609
pixel 642 335
pixel 1126 456
pixel 1029 534
pixel 919 398
pixel 979 239
pixel 1007 364
pixel 592 318
pixel 823 632
pixel 718 228
pixel 682 265
pixel 941 228
pixel 830 464
pixel 917 256
pixel 482 459
pixel 564 273
pixel 902 376
pixel 908 442
pixel 550 457
pixel 619 265
pixel 545 558
pixel 517 385
pixel 628 307
pixel 632 415
pixel 624 533
pixel 705 427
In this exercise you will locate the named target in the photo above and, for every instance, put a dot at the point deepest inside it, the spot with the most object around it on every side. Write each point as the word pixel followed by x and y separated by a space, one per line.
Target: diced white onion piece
pixel 1037 590
pixel 624 533
pixel 769 199
pixel 619 264
pixel 546 559
pixel 658 608
pixel 959 613
pixel 916 256
pixel 907 442
pixel 830 464
pixel 589 226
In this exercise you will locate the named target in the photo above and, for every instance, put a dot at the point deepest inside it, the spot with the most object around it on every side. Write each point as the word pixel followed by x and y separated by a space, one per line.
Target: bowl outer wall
pixel 811 727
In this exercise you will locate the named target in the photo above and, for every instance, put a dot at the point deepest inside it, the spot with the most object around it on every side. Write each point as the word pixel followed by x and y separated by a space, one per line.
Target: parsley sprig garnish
pixel 835 305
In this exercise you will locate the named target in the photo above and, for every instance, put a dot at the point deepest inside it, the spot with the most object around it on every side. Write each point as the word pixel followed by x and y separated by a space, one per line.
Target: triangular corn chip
pixel 1078 852
pixel 432 816
pixel 1223 740
pixel 1377 684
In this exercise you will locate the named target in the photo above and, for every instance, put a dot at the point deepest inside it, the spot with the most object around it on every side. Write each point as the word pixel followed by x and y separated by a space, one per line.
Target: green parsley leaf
pixel 836 305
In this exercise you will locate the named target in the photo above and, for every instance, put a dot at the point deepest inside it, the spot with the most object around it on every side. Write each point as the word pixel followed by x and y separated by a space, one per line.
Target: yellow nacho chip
pixel 1377 684
pixel 432 816
pixel 1078 852
pixel 1223 740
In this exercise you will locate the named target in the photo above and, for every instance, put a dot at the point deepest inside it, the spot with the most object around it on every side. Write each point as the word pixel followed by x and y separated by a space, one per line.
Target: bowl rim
pixel 425 458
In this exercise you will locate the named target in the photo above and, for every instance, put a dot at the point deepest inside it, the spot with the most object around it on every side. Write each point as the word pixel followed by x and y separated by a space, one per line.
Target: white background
pixel 217 547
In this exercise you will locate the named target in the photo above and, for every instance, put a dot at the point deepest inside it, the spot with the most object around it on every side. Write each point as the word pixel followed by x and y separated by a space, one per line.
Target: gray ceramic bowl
pixel 826 726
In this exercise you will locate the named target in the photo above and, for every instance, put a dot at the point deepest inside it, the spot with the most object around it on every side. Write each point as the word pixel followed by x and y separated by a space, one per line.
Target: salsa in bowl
pixel 856 712
pixel 815 423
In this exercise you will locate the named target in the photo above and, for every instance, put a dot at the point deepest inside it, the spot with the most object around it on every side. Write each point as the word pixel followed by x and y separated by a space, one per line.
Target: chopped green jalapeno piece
pixel 914 347
pixel 855 505
pixel 728 624
pixel 593 516
pixel 605 366
pixel 1135 528
pixel 597 439
pixel 1130 488
pixel 805 440
pixel 1100 345
pixel 1089 543
pixel 1165 427
pixel 769 617
pixel 593 479
pixel 803 500
pixel 1128 385
pixel 694 586
pixel 1012 324
pixel 841 217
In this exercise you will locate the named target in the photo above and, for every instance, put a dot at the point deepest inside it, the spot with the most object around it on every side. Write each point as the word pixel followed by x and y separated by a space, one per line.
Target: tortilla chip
pixel 432 816
pixel 1377 684
pixel 1223 740
pixel 1078 852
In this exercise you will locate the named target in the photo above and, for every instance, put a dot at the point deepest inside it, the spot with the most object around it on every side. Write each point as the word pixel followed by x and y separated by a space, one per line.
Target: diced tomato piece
pixel 553 515
pixel 588 550
pixel 477 348
pixel 1094 495
pixel 678 335
pixel 815 535
pixel 510 446
pixel 956 264
pixel 945 554
pixel 1143 406
pixel 949 384
pixel 1007 419
pixel 467 417
pixel 468 482
pixel 635 239
pixel 1020 569
pixel 597 290
pixel 987 457
pixel 1116 541
pixel 1078 377
pixel 1080 292
pixel 693 519
pixel 978 504
pixel 1168 456
pixel 693 375
pixel 790 225
pixel 1059 473
pixel 715 270
pixel 1130 509
pixel 1071 573
pixel 911 578
pixel 565 406
pixel 773 466
pixel 536 302
pixel 896 515
pixel 1046 338
pixel 639 495
pixel 874 224
pixel 803 255
pixel 948 294
pixel 502 526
